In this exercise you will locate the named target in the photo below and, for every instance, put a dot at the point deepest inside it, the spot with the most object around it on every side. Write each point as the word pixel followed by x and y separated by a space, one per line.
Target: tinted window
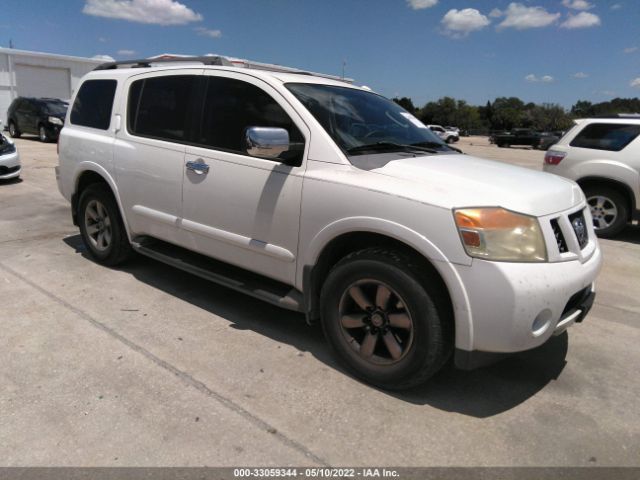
pixel 93 104
pixel 231 106
pixel 158 106
pixel 606 136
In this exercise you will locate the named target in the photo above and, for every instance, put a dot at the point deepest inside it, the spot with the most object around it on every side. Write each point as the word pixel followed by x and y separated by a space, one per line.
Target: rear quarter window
pixel 606 136
pixel 93 104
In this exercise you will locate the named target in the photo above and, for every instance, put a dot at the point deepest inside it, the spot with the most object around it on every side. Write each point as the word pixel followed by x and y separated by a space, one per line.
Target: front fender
pixel 451 278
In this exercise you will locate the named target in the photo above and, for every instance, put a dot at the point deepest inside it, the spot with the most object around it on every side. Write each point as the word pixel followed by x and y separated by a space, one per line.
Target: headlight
pixel 55 120
pixel 494 233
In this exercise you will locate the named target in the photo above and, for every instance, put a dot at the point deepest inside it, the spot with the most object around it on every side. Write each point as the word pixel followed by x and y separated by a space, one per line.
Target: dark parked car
pixel 41 116
pixel 525 136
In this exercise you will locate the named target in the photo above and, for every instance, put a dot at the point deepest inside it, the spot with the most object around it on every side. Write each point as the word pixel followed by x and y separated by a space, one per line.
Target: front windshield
pixel 361 122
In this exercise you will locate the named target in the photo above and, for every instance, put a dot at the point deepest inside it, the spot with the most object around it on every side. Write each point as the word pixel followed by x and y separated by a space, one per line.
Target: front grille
pixel 579 226
pixel 562 244
pixel 7 170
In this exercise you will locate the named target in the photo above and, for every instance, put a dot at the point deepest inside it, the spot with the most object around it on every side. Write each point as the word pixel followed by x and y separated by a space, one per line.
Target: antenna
pixel 344 64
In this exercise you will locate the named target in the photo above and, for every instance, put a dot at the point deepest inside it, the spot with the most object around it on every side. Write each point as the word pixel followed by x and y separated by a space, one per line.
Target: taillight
pixel 553 157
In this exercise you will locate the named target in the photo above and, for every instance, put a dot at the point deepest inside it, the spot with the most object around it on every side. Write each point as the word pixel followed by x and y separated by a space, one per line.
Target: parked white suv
pixel 327 199
pixel 603 156
pixel 446 134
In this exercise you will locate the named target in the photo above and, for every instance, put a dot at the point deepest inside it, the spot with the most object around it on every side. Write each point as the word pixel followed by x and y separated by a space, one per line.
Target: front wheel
pixel 608 209
pixel 13 130
pixel 101 226
pixel 42 134
pixel 385 323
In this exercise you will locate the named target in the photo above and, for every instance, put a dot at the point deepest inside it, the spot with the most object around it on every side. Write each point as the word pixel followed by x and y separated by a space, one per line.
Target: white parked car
pixel 9 159
pixel 603 156
pixel 449 136
pixel 327 199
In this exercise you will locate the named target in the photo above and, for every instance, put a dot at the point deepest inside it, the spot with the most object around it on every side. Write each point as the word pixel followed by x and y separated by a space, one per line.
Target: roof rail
pixel 147 62
pixel 632 116
pixel 282 69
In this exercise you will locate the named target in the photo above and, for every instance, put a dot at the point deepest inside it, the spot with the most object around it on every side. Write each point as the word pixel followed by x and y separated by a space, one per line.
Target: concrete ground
pixel 145 365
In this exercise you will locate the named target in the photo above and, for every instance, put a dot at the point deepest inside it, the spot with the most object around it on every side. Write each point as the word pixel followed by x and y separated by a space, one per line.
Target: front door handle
pixel 199 167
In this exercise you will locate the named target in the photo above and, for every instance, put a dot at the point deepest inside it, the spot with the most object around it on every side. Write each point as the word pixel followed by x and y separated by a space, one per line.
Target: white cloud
pixel 125 52
pixel 104 58
pixel 580 75
pixel 630 49
pixel 206 32
pixel 159 12
pixel 421 4
pixel 102 39
pixel 635 83
pixel 616 6
pixel 459 23
pixel 534 78
pixel 577 4
pixel 521 17
pixel 581 20
pixel 495 13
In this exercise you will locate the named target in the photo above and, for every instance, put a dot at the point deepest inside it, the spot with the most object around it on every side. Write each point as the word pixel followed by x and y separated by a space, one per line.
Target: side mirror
pixel 266 142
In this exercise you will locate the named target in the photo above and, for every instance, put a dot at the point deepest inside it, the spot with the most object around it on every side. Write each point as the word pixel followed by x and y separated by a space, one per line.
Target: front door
pixel 242 209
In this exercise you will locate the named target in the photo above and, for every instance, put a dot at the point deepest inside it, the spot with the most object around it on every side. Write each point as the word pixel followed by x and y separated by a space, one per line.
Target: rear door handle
pixel 199 167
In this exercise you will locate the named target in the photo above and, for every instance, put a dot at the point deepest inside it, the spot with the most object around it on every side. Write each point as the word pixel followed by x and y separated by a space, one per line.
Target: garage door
pixel 35 81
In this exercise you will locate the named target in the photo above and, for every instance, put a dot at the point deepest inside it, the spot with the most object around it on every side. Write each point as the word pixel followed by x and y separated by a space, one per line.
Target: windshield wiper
pixel 389 146
pixel 437 145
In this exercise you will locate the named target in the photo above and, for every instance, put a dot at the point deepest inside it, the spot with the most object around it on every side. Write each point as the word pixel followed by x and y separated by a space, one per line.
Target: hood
pixel 455 181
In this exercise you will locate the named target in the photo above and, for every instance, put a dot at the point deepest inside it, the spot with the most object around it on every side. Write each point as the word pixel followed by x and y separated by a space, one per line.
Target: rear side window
pixel 158 106
pixel 231 106
pixel 93 104
pixel 606 136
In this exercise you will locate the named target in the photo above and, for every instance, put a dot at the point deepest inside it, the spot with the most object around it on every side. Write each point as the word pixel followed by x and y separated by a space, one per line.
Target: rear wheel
pixel 608 209
pixel 101 226
pixel 13 130
pixel 384 322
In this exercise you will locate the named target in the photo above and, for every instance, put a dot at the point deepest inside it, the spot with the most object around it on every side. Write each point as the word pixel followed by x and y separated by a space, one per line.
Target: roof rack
pixel 147 62
pixel 620 115
pixel 281 69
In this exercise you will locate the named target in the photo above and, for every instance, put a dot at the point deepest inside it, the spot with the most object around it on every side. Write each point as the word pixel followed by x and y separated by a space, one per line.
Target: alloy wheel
pixel 98 225
pixel 603 211
pixel 375 322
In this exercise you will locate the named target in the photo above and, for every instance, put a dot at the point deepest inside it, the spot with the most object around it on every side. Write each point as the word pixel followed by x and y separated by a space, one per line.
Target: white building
pixel 35 74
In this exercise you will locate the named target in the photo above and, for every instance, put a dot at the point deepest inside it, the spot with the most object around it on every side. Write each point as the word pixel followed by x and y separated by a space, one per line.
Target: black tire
pixel 43 135
pixel 13 130
pixel 500 144
pixel 421 297
pixel 119 249
pixel 615 224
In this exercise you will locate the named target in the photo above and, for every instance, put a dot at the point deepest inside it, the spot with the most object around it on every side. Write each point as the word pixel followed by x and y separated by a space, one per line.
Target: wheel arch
pixel 427 257
pixel 89 173
pixel 617 185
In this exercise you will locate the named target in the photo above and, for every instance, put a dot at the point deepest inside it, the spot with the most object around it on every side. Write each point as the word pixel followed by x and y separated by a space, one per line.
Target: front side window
pixel 606 136
pixel 362 122
pixel 231 106
pixel 158 107
pixel 93 104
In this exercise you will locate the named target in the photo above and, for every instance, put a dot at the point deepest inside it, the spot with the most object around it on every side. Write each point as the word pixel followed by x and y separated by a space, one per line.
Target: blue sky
pixel 540 50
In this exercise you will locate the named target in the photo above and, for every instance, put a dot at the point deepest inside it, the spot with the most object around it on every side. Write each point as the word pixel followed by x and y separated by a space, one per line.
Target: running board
pixel 249 283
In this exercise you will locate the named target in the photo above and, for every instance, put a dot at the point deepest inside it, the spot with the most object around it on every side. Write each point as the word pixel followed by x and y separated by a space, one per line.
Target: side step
pixel 263 288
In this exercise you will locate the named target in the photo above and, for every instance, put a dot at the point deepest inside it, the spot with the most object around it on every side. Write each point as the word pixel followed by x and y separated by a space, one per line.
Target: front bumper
pixel 10 166
pixel 519 306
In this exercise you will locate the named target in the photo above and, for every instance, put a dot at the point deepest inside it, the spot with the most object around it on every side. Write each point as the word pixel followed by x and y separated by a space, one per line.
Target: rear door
pixel 149 150
pixel 242 209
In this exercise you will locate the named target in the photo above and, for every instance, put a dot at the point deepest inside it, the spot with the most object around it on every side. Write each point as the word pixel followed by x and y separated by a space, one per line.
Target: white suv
pixel 603 156
pixel 446 134
pixel 327 199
